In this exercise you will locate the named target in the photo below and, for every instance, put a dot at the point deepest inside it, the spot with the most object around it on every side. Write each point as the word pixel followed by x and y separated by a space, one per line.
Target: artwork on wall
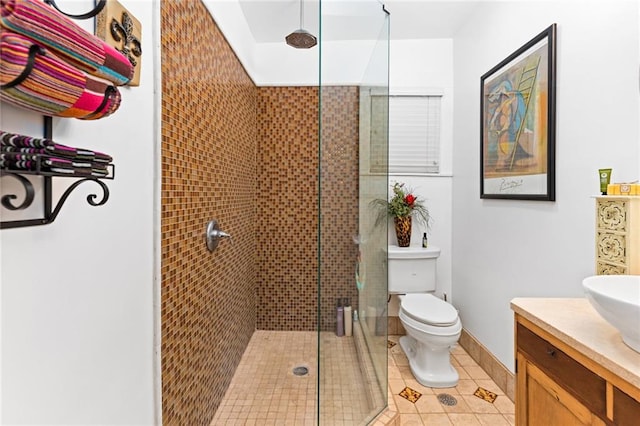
pixel 517 125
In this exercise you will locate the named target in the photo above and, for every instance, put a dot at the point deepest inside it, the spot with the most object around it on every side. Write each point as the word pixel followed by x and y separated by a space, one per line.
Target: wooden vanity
pixel 572 367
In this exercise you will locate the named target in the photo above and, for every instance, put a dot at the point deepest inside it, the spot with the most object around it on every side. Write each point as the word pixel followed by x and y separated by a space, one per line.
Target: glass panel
pixel 352 283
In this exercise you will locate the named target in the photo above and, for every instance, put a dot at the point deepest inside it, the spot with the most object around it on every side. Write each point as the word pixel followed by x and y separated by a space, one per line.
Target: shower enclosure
pixel 249 331
pixel 353 116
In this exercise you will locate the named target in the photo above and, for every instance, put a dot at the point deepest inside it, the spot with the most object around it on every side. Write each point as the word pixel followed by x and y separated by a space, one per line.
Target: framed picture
pixel 517 123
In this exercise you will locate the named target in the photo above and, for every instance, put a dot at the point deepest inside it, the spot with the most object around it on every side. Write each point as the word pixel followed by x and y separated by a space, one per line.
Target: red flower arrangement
pixel 402 204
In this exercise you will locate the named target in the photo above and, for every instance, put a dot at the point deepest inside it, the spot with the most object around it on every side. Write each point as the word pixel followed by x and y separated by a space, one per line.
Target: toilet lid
pixel 428 309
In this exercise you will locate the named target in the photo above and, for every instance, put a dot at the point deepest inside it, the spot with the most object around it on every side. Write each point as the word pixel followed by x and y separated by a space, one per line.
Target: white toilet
pixel 432 325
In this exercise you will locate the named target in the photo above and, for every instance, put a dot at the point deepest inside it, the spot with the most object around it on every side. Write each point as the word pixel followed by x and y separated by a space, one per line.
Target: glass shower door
pixel 352 281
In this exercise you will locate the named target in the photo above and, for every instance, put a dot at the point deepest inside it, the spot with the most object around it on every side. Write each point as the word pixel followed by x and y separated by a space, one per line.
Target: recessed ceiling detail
pixel 271 20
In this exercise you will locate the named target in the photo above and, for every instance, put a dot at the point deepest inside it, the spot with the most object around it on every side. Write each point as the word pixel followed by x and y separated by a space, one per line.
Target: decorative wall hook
pixel 121 30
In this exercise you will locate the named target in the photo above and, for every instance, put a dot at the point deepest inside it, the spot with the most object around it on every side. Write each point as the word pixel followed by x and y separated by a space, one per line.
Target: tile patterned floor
pixel 470 409
pixel 264 391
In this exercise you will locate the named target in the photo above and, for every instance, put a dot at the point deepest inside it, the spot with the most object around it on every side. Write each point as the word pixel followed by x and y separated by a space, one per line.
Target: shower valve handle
pixel 213 235
pixel 222 234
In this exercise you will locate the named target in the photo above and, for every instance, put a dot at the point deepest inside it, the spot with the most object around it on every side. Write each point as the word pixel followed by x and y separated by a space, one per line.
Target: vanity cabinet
pixel 558 385
pixel 618 235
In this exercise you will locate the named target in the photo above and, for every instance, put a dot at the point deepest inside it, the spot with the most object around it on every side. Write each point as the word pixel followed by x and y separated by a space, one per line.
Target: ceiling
pixel 271 20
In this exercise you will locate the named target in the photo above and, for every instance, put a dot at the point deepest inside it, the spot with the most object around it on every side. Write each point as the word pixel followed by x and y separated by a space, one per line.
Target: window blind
pixel 414 133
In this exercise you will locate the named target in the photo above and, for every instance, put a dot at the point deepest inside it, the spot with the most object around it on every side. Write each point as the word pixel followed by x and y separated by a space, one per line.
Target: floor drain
pixel 446 399
pixel 300 371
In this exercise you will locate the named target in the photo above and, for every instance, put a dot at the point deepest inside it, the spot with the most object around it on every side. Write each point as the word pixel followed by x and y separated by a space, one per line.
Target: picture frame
pixel 517 123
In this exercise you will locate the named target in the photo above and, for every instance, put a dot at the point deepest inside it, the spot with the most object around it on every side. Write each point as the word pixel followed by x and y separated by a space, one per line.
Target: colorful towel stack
pixel 18 152
pixel 42 23
pixel 53 87
pixel 51 65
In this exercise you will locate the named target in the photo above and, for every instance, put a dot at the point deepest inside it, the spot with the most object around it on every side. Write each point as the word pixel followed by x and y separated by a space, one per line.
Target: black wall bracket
pixel 50 212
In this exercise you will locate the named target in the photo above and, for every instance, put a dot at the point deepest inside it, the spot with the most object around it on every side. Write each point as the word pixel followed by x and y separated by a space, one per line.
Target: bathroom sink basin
pixel 617 299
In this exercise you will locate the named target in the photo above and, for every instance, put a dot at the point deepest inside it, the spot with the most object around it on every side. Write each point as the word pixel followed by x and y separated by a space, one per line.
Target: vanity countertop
pixel 576 323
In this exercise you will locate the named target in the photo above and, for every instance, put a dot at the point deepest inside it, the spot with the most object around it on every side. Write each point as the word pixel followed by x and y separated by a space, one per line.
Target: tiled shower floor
pixel 264 390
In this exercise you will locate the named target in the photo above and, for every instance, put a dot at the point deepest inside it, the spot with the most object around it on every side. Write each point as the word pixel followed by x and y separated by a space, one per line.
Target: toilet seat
pixel 429 310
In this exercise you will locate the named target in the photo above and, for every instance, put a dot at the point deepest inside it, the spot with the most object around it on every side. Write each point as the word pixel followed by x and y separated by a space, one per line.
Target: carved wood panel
pixel 612 215
pixel 611 247
pixel 607 269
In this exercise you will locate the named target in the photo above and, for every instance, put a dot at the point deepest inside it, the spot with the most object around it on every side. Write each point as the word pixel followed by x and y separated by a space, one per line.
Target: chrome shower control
pixel 213 234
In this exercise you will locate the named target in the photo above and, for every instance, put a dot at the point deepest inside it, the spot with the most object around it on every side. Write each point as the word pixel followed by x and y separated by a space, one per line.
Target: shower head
pixel 301 39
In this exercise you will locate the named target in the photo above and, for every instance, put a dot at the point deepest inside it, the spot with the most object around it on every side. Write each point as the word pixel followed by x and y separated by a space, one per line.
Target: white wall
pixel 77 296
pixel 277 64
pixel 422 65
pixel 503 249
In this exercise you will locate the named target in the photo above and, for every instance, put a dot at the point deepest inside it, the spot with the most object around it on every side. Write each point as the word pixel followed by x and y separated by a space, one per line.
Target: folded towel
pixel 10 154
pixel 51 86
pixel 82 172
pixel 21 141
pixel 101 157
pixel 99 172
pixel 30 161
pixel 44 24
pixel 53 150
pixel 11 142
pixel 42 163
pixel 73 172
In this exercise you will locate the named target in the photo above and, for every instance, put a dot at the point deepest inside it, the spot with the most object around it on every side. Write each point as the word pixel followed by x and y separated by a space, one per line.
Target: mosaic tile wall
pixel 209 144
pixel 339 199
pixel 287 243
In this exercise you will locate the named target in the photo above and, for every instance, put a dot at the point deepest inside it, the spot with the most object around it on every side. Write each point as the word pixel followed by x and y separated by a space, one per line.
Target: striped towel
pixel 15 155
pixel 34 162
pixel 14 160
pixel 55 149
pixel 53 87
pixel 42 23
pixel 11 142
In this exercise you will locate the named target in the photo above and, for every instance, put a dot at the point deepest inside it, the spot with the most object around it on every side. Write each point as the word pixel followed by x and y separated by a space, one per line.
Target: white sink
pixel 617 299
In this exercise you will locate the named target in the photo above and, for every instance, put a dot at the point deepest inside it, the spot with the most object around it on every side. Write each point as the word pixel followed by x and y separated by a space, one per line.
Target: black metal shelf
pixel 50 211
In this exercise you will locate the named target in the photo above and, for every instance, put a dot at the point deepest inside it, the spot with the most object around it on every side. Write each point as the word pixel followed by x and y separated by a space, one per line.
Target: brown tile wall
pixel 339 199
pixel 209 145
pixel 287 242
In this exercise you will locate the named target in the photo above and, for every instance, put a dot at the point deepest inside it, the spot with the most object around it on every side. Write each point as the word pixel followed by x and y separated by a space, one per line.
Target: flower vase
pixel 403 230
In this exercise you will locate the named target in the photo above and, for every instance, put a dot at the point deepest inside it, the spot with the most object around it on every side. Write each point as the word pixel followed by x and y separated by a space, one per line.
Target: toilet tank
pixel 412 269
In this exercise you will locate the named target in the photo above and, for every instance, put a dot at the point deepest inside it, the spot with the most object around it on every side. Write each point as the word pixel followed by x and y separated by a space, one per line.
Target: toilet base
pixel 431 367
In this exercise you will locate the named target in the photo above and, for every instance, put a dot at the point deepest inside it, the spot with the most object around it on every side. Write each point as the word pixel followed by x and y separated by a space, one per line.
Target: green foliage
pixel 402 204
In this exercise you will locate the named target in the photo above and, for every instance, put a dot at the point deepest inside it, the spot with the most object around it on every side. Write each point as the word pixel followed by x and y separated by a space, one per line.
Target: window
pixel 378 133
pixel 414 133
